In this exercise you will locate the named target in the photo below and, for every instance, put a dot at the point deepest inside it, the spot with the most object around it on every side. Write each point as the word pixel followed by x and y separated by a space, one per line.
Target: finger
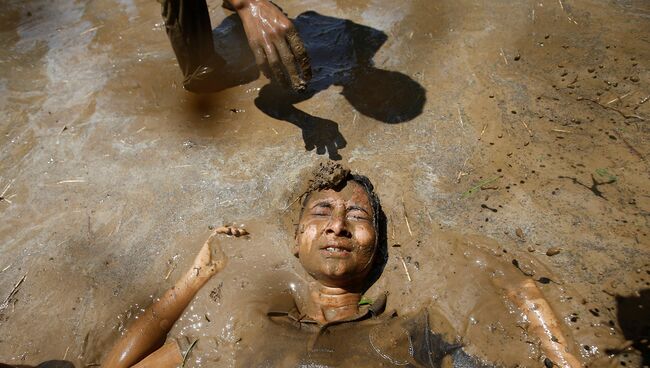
pixel 333 151
pixel 237 231
pixel 274 64
pixel 289 63
pixel 340 141
pixel 309 146
pixel 300 53
pixel 307 136
pixel 260 60
pixel 229 230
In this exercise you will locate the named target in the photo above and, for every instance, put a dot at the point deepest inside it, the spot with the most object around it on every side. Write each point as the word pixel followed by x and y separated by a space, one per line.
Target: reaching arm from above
pixel 279 52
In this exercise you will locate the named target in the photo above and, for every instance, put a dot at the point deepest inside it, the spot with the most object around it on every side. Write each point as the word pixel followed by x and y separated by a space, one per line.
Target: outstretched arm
pixel 148 332
pixel 544 324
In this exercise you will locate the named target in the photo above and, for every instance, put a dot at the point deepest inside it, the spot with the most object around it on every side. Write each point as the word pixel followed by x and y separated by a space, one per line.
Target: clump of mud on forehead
pixel 327 175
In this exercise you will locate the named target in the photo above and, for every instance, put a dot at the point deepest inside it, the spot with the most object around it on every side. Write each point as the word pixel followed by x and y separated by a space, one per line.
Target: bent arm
pixel 148 332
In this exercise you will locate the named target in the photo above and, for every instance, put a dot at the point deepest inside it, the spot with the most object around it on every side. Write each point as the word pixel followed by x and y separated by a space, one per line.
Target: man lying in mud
pixel 276 46
pixel 341 244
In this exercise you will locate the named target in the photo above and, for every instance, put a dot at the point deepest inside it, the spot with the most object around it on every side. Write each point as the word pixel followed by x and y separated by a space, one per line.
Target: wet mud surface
pixel 506 140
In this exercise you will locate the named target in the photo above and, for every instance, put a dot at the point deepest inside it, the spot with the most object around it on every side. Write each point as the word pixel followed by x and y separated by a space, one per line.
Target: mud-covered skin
pixel 278 50
pixel 141 343
pixel 341 220
pixel 337 245
pixel 274 41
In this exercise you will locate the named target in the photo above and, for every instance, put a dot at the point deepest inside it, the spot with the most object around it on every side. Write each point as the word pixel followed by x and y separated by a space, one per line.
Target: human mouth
pixel 333 250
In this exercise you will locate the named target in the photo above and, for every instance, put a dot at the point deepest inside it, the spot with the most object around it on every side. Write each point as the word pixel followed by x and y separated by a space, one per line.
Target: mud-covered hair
pixel 379 221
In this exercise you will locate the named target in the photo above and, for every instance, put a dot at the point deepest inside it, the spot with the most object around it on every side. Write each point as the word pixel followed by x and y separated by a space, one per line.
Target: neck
pixel 328 304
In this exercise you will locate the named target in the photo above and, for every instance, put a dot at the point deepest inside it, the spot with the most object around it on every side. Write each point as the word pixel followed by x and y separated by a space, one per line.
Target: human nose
pixel 338 224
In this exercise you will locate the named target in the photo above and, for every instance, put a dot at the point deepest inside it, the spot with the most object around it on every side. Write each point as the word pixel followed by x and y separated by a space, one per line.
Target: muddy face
pixel 336 240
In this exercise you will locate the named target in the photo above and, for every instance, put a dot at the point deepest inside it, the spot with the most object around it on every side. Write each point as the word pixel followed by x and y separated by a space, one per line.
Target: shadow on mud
pixel 341 52
pixel 634 319
pixel 48 364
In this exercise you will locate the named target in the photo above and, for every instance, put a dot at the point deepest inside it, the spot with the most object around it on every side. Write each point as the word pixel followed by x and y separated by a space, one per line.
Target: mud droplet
pixel 519 232
pixel 548 363
pixel 634 78
pixel 553 251
pixel 531 249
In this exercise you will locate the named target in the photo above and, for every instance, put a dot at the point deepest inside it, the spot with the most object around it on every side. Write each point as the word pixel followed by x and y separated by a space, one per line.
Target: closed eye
pixel 320 213
pixel 358 217
pixel 358 213
pixel 321 209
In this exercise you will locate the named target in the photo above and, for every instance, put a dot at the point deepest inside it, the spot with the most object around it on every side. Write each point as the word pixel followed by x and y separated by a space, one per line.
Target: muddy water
pixel 532 133
pixel 460 281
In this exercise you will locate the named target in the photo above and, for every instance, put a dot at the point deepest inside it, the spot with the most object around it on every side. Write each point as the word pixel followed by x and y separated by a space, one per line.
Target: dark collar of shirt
pixel 300 320
pixel 366 311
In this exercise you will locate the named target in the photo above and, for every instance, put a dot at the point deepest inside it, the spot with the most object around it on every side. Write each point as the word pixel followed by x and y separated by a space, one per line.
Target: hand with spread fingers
pixel 279 52
pixel 324 136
